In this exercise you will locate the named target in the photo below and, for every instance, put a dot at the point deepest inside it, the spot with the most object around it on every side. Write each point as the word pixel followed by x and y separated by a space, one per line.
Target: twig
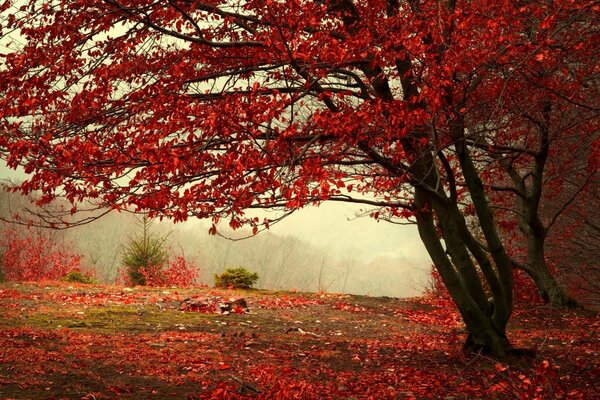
pixel 245 385
pixel 302 331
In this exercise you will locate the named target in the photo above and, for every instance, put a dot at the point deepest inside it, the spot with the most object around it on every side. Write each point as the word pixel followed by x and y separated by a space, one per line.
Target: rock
pixel 238 306
pixel 194 305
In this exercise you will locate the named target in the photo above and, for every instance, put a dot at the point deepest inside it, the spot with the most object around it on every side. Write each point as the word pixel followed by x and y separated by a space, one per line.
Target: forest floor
pixel 74 341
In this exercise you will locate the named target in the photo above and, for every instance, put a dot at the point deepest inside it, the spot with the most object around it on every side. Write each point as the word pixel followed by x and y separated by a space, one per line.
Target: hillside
pixel 99 342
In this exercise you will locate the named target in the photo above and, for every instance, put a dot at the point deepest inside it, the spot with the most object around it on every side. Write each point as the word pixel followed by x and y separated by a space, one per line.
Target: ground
pixel 75 341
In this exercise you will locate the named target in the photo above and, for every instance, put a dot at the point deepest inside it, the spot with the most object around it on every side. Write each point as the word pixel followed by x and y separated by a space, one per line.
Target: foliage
pixel 178 272
pixel 144 256
pixel 76 276
pixel 236 278
pixel 525 290
pixel 33 256
pixel 414 108
pixel 435 285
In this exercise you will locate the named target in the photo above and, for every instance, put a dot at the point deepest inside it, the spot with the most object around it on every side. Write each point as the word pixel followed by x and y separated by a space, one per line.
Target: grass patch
pixel 119 318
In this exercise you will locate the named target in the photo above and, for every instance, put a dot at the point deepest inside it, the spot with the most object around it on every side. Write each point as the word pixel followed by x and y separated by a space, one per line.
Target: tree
pixel 143 254
pixel 557 122
pixel 208 109
pixel 577 234
pixel 534 210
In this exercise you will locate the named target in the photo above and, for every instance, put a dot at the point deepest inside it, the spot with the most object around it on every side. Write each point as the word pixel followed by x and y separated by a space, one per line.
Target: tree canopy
pixel 207 109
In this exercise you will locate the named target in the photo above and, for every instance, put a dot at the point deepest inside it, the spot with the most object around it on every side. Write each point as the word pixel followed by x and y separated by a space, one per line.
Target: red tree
pixel 207 109
pixel 539 195
pixel 540 149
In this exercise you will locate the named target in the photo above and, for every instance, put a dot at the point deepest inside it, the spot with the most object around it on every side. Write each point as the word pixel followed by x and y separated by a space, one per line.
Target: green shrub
pixel 77 276
pixel 237 278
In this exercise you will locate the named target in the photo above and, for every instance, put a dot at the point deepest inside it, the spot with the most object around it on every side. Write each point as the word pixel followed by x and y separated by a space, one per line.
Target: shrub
pixel 524 289
pixel 30 256
pixel 76 276
pixel 179 272
pixel 236 278
pixel 435 285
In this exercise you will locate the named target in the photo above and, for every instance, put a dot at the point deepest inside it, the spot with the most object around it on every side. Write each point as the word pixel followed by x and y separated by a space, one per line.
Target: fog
pixel 324 248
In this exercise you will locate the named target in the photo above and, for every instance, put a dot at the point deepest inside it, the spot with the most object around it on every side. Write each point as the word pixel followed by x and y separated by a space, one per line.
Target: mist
pixel 326 248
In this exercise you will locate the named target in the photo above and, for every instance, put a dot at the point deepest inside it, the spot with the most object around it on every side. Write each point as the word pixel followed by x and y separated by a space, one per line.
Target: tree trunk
pixel 549 289
pixel 487 332
pixel 486 321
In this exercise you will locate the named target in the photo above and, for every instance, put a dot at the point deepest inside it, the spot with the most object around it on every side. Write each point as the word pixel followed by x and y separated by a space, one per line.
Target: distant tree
pixel 143 253
pixel 348 263
pixel 207 109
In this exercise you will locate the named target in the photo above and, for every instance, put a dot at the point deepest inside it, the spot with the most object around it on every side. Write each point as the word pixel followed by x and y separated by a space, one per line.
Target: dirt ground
pixel 65 341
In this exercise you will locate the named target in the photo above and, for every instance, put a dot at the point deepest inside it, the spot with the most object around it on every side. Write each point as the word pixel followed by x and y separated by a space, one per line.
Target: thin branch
pixel 568 202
